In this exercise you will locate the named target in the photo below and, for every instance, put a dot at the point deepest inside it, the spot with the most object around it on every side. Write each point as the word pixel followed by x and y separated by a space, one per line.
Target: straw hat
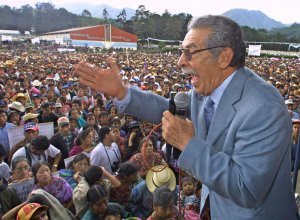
pixel 28 116
pixel 36 83
pixel 160 178
pixel 17 106
pixel 20 95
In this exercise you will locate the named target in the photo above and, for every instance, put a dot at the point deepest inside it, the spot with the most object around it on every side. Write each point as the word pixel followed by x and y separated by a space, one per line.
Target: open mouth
pixel 194 79
pixel 188 71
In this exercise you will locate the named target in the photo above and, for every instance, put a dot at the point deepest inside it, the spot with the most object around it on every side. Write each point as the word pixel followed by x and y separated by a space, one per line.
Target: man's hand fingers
pixel 87 83
pixel 112 63
pixel 168 116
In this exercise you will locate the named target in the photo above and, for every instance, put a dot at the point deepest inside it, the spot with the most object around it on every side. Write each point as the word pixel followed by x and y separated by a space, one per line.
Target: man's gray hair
pixel 224 32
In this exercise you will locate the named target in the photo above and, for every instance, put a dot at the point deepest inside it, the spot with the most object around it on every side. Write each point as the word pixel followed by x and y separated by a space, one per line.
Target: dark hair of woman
pixel 95 193
pixel 73 109
pixel 127 169
pixel 16 160
pixel 152 139
pixel 82 135
pixel 35 168
pixel 77 158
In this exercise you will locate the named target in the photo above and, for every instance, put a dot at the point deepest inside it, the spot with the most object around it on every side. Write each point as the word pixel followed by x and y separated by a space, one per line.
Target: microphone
pixel 172 109
pixel 182 102
pixel 178 106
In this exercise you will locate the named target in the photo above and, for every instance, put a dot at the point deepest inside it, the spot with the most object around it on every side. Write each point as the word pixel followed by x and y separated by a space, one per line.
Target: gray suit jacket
pixel 244 160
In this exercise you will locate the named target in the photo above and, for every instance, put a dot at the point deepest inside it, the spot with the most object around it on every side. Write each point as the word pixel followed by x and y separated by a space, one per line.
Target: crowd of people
pixel 115 171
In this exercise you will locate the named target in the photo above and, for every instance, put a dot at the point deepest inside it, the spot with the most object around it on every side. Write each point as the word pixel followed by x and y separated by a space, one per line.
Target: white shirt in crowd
pixel 99 157
pixel 4 170
pixel 50 152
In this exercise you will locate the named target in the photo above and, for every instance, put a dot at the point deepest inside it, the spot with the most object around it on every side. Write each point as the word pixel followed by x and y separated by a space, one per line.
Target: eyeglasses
pixel 20 169
pixel 189 54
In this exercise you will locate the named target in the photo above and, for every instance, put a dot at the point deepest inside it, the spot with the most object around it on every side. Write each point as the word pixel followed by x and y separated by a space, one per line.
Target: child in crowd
pixel 73 125
pixel 114 212
pixel 188 198
pixel 163 206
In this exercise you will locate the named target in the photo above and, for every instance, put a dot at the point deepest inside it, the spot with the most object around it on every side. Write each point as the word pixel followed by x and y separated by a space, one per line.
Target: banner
pixel 59 40
pixel 6 38
pixel 23 188
pixel 254 50
pixel 35 40
pixel 16 134
pixel 66 50
pixel 68 160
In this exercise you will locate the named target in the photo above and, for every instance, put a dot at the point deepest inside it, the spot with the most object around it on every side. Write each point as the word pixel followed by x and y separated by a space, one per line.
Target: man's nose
pixel 182 61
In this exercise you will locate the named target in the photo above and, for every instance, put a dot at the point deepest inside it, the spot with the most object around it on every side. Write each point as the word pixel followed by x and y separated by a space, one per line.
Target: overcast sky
pixel 285 11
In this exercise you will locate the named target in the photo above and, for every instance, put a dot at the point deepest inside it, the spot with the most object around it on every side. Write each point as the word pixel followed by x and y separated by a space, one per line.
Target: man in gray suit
pixel 238 140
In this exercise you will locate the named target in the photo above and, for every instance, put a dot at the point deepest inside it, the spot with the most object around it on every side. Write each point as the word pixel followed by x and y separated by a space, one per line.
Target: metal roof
pixel 70 30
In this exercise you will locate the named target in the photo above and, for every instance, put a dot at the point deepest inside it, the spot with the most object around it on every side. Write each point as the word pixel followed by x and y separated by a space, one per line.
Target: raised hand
pixel 103 80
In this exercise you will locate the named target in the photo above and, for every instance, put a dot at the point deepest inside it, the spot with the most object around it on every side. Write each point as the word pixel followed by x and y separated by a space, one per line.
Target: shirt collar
pixel 218 92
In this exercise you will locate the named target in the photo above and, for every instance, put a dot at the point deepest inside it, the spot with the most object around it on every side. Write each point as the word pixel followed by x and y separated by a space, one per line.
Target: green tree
pixel 121 18
pixel 7 18
pixel 86 13
pixel 141 13
pixel 26 21
pixel 105 14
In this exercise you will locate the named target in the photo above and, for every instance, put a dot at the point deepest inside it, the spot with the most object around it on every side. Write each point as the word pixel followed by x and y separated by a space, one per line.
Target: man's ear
pixel 225 57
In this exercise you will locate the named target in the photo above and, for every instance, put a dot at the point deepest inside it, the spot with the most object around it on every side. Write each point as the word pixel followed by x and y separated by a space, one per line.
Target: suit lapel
pixel 199 106
pixel 225 110
pixel 202 131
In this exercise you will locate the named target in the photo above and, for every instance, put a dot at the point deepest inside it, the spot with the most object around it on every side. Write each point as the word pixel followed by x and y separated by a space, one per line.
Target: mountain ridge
pixel 253 18
pixel 97 10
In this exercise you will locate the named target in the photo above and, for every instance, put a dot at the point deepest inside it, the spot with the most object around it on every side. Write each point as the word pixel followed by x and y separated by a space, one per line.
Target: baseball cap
pixel 27 211
pixel 45 105
pixel 289 102
pixel 134 124
pixel 57 105
pixel 36 96
pixel 30 126
pixel 29 105
pixel 63 121
pixel 3 103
